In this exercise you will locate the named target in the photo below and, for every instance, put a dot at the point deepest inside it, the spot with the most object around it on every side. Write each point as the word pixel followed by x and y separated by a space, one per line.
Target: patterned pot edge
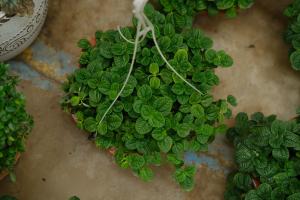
pixel 21 40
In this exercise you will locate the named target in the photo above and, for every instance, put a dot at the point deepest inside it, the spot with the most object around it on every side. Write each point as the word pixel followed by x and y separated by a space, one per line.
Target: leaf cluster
pixel 74 198
pixel 157 117
pixel 267 153
pixel 7 197
pixel 183 11
pixel 292 35
pixel 15 123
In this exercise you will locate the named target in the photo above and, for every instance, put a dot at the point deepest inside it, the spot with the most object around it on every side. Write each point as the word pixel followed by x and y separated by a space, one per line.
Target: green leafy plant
pixel 292 35
pixel 15 123
pixel 19 7
pixel 6 197
pixel 158 117
pixel 267 154
pixel 74 198
pixel 183 11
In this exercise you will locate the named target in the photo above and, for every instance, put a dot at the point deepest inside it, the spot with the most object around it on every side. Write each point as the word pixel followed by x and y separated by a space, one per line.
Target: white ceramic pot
pixel 17 33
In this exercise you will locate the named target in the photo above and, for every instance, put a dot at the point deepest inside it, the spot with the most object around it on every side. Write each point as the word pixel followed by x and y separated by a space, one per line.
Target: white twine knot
pixel 138 9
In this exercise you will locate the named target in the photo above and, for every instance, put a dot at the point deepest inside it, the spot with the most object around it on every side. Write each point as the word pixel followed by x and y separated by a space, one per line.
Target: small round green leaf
pixel 165 145
pixel 154 68
pixel 74 198
pixel 137 106
pixel 144 92
pixel 232 100
pixel 197 111
pixel 136 162
pixel 178 88
pixel 159 134
pixel 102 128
pixel 157 120
pixel 178 148
pixel 155 83
pixel 90 124
pixel 295 60
pixel 146 174
pixel 281 154
pixel 183 130
pixel 75 100
pixel 163 105
pixel 142 126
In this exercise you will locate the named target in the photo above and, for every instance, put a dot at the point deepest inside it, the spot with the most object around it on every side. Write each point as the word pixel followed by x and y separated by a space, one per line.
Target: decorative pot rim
pixel 23 36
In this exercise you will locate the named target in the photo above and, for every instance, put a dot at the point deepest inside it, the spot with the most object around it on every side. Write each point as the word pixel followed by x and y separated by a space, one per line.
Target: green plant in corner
pixel 267 154
pixel 292 35
pixel 6 197
pixel 15 123
pixel 74 198
pixel 158 116
pixel 183 11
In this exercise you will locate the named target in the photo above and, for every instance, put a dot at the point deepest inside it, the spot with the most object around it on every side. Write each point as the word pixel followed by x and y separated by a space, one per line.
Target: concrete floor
pixel 61 162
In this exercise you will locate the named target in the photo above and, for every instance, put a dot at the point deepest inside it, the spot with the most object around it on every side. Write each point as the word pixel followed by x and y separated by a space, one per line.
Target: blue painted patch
pixel 203 159
pixel 26 73
pixel 221 147
pixel 60 61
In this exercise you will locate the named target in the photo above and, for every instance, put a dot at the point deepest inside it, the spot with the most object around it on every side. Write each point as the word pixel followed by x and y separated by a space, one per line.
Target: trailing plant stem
pixel 128 75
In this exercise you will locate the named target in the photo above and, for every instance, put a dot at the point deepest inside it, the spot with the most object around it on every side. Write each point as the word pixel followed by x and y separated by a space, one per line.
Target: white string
pixel 138 11
pixel 121 34
pixel 132 42
pixel 164 58
pixel 143 28
pixel 128 75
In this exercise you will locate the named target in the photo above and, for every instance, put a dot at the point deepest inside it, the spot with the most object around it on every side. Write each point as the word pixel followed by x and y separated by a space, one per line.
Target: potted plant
pixel 267 154
pixel 183 11
pixel 15 123
pixel 158 116
pixel 20 23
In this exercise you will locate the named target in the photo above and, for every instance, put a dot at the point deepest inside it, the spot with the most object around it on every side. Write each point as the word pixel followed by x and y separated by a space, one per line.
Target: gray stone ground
pixel 61 162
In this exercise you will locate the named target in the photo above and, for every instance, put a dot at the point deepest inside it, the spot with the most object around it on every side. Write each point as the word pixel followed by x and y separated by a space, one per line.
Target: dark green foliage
pixel 74 198
pixel 15 123
pixel 182 12
pixel 292 35
pixel 6 197
pixel 157 113
pixel 267 153
pixel 232 100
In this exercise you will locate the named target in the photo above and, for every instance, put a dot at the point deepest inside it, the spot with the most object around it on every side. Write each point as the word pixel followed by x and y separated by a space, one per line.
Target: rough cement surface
pixel 261 78
pixel 61 162
pixel 82 19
